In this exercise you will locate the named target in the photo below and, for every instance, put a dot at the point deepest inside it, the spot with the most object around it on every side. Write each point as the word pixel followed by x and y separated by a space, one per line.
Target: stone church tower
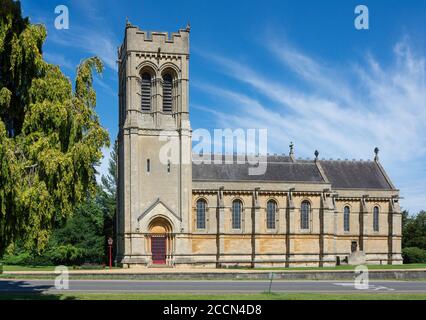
pixel 154 167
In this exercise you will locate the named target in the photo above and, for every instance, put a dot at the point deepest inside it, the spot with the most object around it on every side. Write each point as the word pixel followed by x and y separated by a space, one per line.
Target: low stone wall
pixel 414 274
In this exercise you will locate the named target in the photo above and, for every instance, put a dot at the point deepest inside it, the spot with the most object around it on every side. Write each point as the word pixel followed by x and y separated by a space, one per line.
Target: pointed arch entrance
pixel 160 239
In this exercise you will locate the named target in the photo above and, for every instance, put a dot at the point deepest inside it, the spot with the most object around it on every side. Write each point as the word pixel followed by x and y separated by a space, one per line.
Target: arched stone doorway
pixel 160 240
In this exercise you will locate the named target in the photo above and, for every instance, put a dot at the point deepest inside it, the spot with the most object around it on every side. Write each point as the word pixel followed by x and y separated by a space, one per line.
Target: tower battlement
pixel 153 41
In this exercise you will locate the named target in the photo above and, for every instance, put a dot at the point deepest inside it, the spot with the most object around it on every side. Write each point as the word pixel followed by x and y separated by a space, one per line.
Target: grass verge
pixel 260 296
pixel 7 268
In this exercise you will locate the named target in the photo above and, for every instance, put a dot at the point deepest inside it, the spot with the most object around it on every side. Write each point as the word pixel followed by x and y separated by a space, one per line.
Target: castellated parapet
pixel 176 43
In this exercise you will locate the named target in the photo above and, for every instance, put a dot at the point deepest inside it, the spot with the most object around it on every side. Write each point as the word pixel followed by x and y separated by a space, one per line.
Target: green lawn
pixel 49 268
pixel 260 296
pixel 28 268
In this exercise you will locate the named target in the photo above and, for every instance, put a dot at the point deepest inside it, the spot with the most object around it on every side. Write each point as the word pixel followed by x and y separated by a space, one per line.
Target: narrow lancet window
pixel 304 215
pixel 376 219
pixel 346 212
pixel 270 214
pixel 201 214
pixel 236 214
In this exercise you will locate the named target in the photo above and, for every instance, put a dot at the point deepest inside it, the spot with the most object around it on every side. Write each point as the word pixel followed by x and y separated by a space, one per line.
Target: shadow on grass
pixel 25 290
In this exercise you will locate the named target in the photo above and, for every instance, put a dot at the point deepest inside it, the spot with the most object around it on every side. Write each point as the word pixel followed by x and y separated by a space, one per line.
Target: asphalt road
pixel 238 286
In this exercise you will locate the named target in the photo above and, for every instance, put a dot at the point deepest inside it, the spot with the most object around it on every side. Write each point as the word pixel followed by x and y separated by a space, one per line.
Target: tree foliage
pixel 78 240
pixel 414 230
pixel 50 135
pixel 413 255
pixel 81 239
pixel 108 193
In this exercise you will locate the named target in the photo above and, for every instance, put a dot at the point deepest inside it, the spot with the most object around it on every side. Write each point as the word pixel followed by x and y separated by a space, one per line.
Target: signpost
pixel 271 277
pixel 110 242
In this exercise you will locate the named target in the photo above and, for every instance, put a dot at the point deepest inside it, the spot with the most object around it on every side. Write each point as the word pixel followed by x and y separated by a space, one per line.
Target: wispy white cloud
pixel 343 111
pixel 59 59
pixel 88 32
pixel 91 41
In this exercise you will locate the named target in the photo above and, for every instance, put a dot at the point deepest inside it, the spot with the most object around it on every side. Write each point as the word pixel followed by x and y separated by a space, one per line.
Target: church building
pixel 185 214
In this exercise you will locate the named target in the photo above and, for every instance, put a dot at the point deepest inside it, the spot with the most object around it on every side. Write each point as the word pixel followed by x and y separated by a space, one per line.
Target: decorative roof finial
pixel 128 24
pixel 188 27
pixel 316 153
pixel 291 151
pixel 376 151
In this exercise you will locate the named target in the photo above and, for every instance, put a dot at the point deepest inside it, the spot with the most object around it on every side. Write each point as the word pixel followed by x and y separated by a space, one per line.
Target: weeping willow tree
pixel 50 135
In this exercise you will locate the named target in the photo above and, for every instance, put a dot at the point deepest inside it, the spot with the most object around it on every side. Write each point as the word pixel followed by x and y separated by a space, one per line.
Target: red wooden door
pixel 158 250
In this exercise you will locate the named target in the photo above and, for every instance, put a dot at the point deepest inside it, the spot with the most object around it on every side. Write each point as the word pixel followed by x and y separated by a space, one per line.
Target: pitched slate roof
pixel 279 168
pixel 341 174
pixel 355 174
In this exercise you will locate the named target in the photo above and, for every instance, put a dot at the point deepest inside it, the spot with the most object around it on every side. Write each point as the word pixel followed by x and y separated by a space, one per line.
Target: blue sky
pixel 298 68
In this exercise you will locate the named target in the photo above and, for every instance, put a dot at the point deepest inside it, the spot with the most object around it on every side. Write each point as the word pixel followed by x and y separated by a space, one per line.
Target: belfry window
pixel 376 219
pixel 236 214
pixel 271 208
pixel 346 212
pixel 304 215
pixel 146 92
pixel 201 214
pixel 167 93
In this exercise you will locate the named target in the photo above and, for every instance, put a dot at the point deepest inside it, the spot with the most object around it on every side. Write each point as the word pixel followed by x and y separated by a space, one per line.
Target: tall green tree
pixel 50 135
pixel 414 230
pixel 108 196
pixel 81 239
